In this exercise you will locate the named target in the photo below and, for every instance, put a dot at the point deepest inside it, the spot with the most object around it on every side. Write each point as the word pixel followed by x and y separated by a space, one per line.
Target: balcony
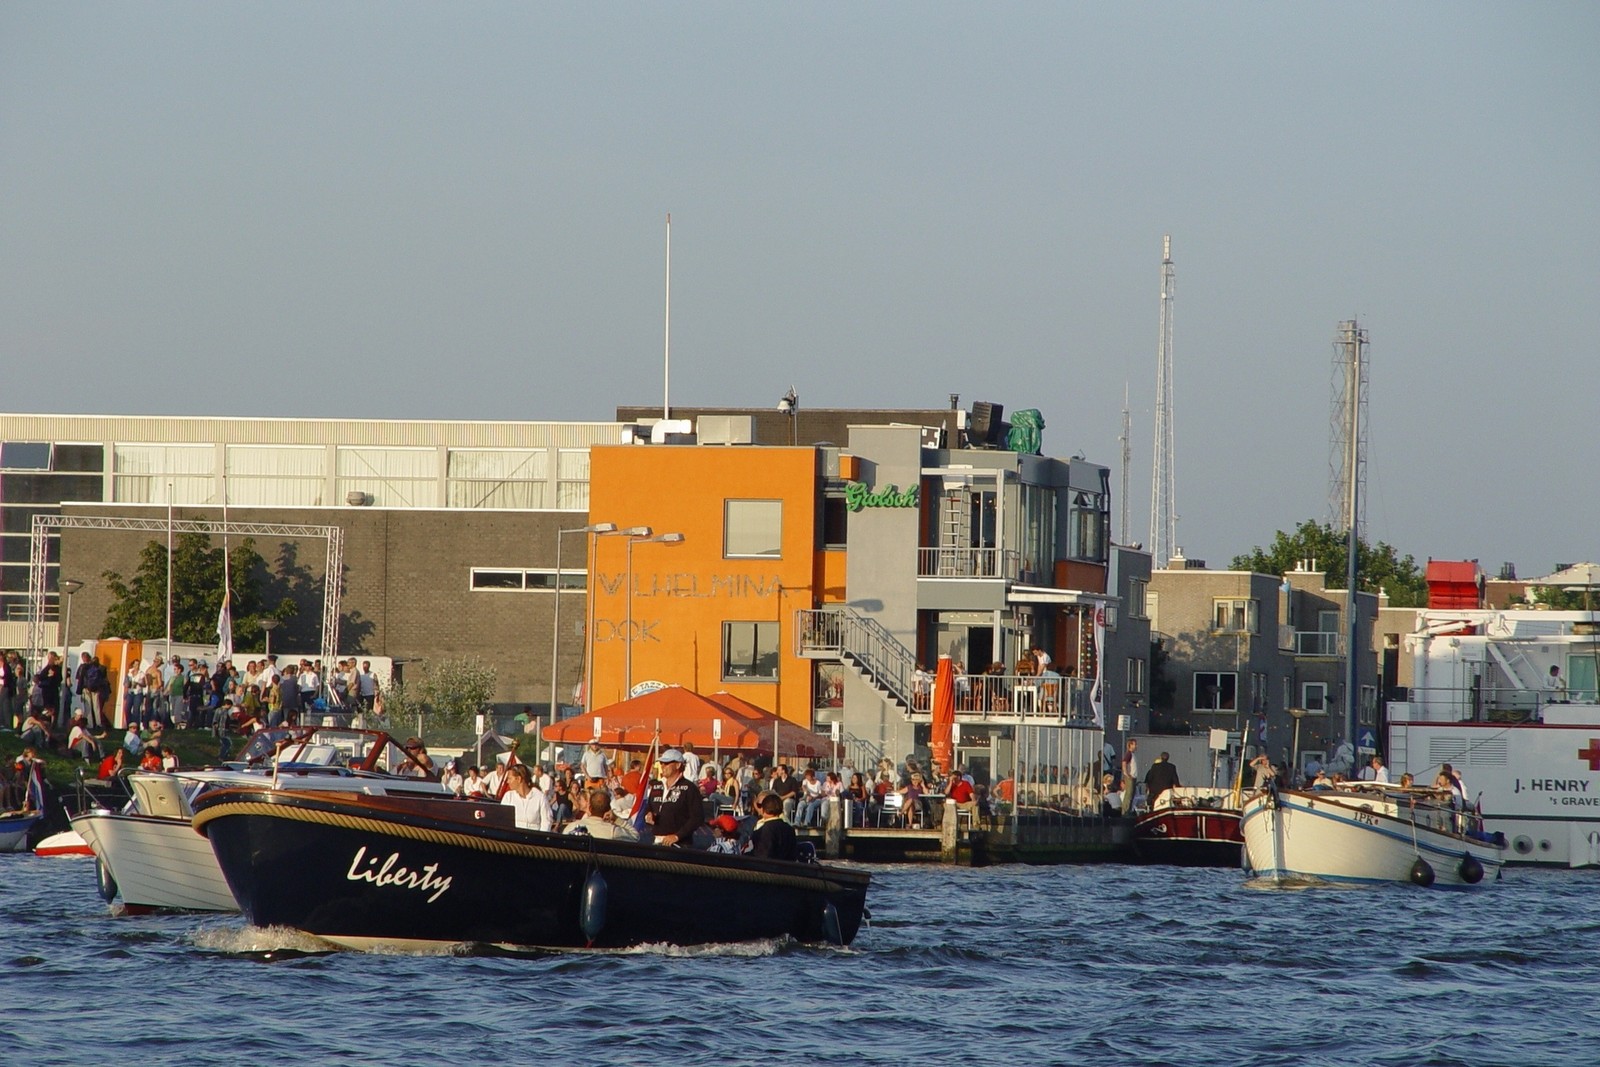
pixel 1008 699
pixel 1000 563
pixel 1318 643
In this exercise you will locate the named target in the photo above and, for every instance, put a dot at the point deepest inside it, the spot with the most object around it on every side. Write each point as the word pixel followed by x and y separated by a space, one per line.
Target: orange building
pixel 716 610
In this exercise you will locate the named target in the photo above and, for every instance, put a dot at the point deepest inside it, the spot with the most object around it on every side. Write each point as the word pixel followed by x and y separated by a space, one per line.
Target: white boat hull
pixel 1538 783
pixel 1296 836
pixel 157 862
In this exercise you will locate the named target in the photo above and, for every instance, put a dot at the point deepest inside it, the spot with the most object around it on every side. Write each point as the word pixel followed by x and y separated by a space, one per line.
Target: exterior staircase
pixel 862 643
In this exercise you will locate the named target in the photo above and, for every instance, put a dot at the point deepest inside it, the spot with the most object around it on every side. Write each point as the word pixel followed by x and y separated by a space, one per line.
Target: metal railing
pixel 1484 703
pixel 1010 697
pixel 880 656
pixel 1318 643
pixel 967 563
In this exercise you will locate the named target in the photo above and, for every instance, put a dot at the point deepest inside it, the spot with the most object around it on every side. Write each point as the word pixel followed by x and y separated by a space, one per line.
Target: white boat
pixel 64 843
pixel 1365 833
pixel 1529 753
pixel 149 853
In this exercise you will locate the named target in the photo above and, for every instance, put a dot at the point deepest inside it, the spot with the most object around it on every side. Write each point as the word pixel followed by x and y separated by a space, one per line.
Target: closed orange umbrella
pixel 944 716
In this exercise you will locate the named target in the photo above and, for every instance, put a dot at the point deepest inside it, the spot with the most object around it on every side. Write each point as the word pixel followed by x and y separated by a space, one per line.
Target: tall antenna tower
pixel 1163 508
pixel 1127 455
pixel 1347 430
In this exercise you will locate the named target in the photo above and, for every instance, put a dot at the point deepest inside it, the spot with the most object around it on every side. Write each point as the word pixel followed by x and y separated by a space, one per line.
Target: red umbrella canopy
pixel 684 717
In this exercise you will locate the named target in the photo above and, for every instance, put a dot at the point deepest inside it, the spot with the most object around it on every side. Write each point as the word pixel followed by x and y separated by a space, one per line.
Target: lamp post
pixel 636 535
pixel 1294 759
pixel 268 625
pixel 789 404
pixel 588 631
pixel 67 586
pixel 555 618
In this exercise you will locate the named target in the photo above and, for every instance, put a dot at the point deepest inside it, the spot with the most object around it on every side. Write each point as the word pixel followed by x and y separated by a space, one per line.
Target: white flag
pixel 1097 693
pixel 225 630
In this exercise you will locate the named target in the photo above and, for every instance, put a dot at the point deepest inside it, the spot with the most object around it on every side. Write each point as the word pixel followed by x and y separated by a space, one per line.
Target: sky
pixel 457 211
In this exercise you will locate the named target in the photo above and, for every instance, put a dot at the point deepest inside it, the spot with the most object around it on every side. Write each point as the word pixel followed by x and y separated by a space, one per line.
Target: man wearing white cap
pixel 681 811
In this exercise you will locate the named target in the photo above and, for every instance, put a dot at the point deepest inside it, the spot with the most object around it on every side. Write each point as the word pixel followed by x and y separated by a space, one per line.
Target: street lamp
pixel 588 632
pixel 270 625
pixel 1294 760
pixel 789 404
pixel 639 533
pixel 555 621
pixel 67 586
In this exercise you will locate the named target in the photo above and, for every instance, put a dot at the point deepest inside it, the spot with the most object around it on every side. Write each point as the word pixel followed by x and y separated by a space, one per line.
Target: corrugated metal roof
pixel 175 429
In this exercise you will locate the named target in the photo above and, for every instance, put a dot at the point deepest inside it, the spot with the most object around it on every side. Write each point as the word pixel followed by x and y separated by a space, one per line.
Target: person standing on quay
pixel 1130 775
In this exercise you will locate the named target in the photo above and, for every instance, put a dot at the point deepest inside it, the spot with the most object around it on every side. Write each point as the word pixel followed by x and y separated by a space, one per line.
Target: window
pixel 1236 616
pixel 282 476
pixel 835 521
pixel 1215 690
pixel 1258 692
pixel 511 479
pixel 1152 605
pixel 1138 672
pixel 1137 589
pixel 572 479
pixel 1369 704
pixel 391 477
pixel 1314 697
pixel 749 651
pixel 752 528
pixel 25 455
pixel 142 474
pixel 528 580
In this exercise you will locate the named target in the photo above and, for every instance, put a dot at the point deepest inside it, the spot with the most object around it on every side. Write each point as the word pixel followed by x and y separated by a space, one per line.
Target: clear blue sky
pixel 455 211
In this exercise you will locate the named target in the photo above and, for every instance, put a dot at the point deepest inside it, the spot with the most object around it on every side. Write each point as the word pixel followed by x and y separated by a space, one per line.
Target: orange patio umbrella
pixel 684 717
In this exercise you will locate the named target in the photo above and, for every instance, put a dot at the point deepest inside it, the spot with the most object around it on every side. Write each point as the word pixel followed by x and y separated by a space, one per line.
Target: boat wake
pixel 262 942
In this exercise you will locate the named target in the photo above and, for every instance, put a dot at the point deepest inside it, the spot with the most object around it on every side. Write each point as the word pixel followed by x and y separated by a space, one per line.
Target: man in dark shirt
pixel 682 810
pixel 289 697
pixel 788 787
pixel 1161 777
pixel 773 838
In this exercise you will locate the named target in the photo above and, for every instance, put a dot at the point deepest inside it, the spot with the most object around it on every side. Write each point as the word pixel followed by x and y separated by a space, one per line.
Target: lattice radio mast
pixel 1127 456
pixel 1347 429
pixel 1163 507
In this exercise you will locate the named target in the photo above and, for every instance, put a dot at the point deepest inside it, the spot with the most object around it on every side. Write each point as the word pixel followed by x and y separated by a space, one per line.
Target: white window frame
pixel 1225 612
pixel 1319 706
pixel 728 506
pixel 571 581
pixel 1138 675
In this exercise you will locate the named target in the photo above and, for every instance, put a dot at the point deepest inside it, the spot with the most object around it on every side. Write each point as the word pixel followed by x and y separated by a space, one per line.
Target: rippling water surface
pixel 1101 965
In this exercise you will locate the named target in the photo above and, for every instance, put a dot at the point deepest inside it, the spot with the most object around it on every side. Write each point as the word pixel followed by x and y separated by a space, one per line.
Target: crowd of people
pixel 70 712
pixel 749 806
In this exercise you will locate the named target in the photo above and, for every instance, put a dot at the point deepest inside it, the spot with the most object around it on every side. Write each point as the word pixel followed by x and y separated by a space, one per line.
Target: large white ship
pixel 1526 741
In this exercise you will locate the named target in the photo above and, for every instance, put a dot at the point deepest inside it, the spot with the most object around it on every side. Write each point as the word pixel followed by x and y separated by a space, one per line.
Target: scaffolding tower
pixel 1347 429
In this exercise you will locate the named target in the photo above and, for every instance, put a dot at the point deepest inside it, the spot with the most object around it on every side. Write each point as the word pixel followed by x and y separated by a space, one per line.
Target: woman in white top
pixel 531 807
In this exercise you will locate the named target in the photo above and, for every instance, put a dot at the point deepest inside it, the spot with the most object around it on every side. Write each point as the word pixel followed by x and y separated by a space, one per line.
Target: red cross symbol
pixel 1592 753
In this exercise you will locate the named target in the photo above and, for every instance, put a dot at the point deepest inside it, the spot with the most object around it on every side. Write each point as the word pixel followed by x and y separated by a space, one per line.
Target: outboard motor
pixel 1422 873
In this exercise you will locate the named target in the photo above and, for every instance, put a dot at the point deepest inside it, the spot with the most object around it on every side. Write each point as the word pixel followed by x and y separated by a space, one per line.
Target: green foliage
pixel 139 605
pixel 1399 576
pixel 1557 599
pixel 455 690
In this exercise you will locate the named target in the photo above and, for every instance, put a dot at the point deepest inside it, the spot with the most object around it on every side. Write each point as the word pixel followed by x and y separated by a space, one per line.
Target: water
pixel 1101 965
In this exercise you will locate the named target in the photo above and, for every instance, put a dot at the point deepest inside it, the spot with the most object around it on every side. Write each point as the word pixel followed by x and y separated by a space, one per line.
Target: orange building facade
pixel 715 611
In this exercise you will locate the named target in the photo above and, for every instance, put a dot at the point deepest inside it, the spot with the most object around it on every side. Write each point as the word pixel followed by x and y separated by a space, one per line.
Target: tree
pixel 1382 565
pixel 139 605
pixel 455 690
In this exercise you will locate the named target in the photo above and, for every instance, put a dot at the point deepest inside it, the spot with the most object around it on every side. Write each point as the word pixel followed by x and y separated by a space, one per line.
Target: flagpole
pixel 169 576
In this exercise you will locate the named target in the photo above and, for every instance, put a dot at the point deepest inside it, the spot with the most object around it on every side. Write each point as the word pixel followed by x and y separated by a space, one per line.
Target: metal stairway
pixel 864 644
